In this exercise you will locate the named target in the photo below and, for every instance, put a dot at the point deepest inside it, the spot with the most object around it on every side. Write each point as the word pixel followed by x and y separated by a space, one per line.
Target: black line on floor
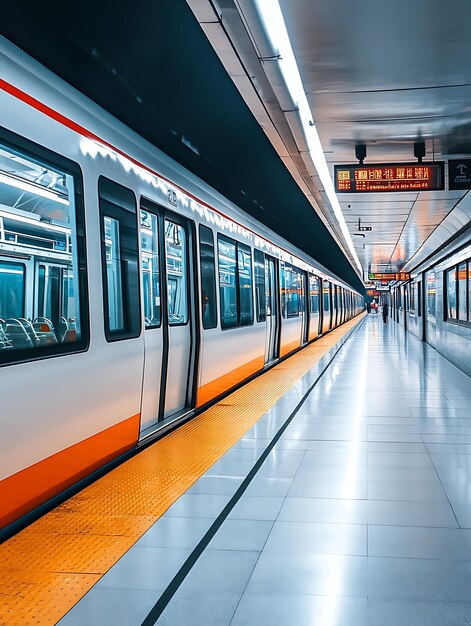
pixel 162 603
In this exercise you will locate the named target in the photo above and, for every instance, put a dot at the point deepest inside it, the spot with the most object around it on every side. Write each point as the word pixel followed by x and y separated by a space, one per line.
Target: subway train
pixel 435 305
pixel 131 293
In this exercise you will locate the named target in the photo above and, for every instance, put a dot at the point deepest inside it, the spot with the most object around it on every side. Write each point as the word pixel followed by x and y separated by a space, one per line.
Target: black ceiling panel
pixel 150 65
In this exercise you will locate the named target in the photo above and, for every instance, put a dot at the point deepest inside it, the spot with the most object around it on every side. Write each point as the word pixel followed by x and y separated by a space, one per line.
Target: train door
pixel 303 309
pixel 326 306
pixel 180 277
pixel 332 305
pixel 337 306
pixel 272 309
pixel 314 311
pixel 169 305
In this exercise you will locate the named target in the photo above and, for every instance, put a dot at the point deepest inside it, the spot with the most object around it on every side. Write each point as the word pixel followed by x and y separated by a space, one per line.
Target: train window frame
pixel 312 297
pixel 430 296
pixel 212 268
pixel 246 250
pixel 174 219
pixel 459 283
pixel 143 209
pixel 293 283
pixel 326 290
pixel 466 321
pixel 127 218
pixel 222 318
pixel 282 289
pixel 45 156
pixel 260 285
pixel 446 309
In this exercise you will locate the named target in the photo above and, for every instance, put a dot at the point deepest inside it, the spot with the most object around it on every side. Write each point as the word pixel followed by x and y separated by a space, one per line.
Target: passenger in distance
pixel 385 312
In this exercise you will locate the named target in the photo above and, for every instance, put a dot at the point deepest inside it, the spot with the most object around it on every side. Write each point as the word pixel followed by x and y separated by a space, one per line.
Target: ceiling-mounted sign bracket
pixel 419 150
pixel 360 152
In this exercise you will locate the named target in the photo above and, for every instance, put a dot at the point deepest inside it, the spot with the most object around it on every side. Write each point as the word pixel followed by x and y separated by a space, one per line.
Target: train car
pixel 435 305
pixel 132 294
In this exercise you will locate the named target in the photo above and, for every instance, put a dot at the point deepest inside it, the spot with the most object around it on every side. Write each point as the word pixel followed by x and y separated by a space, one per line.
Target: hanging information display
pixel 389 177
pixel 384 276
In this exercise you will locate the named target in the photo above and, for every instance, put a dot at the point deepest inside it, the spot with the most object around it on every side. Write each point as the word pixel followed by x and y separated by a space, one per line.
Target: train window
pixel 260 297
pixel 119 260
pixel 208 278
pixel 149 230
pixel 227 257
pixel 244 257
pixel 283 289
pixel 462 303
pixel 302 291
pixel 12 290
pixel 413 296
pixel 235 283
pixel 313 293
pixel 177 273
pixel 326 296
pixel 42 268
pixel 114 275
pixel 451 293
pixel 292 291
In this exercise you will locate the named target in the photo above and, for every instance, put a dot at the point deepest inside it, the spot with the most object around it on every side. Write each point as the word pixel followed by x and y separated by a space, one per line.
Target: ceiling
pixel 377 73
pixel 387 75
pixel 382 74
pixel 151 66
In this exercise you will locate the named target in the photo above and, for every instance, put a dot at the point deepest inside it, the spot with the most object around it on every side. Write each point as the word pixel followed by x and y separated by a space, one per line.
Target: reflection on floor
pixel 361 513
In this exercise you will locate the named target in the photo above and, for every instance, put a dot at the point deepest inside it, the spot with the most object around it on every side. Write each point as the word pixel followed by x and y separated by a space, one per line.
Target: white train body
pixel 94 361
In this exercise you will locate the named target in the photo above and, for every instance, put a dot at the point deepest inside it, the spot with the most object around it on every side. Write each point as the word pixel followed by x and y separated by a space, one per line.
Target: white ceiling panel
pixel 379 73
pixel 372 75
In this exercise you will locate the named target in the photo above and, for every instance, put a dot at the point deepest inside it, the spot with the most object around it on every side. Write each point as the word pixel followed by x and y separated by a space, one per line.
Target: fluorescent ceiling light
pixel 35 222
pixel 32 188
pixel 273 21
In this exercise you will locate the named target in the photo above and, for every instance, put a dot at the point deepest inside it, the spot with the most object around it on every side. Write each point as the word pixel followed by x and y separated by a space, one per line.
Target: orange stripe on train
pixel 222 384
pixel 27 489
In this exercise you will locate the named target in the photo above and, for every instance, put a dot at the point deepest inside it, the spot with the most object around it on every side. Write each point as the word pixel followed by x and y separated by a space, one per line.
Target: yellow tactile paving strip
pixel 48 567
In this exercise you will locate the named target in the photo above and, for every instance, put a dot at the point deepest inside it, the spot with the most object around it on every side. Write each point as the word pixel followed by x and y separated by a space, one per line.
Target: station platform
pixel 333 490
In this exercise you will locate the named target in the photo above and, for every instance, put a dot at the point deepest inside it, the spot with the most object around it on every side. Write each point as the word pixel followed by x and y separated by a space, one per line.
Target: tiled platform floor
pixel 360 515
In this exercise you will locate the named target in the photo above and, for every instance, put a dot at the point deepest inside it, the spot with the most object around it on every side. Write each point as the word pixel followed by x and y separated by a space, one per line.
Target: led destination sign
pixel 389 177
pixel 389 276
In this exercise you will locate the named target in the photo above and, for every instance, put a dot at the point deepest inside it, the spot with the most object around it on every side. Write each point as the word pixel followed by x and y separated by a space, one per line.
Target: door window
pixel 451 292
pixel 177 273
pixel 149 231
pixel 260 299
pixel 208 278
pixel 314 293
pixel 245 284
pixel 462 303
